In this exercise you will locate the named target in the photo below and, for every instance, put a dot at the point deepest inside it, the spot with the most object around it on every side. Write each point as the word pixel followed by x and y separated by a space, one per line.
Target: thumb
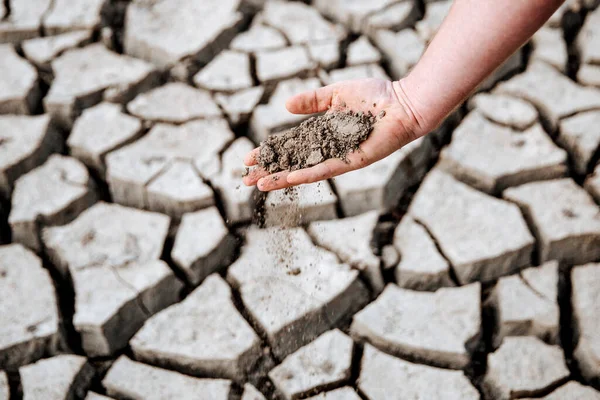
pixel 312 101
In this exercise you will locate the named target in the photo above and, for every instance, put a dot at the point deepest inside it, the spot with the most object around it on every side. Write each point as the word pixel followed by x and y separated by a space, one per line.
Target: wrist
pixel 417 121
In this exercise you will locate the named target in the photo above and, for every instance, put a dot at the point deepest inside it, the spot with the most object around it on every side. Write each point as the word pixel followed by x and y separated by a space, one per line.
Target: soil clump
pixel 332 135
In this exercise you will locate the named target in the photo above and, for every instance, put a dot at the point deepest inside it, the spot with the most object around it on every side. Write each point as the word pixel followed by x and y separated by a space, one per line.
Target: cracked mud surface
pixel 135 264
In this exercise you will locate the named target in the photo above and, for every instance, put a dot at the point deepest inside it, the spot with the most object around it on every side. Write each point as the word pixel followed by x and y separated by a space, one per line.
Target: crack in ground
pixel 165 167
pixel 476 371
pixel 5 230
pixel 253 70
pixel 288 42
pixel 451 270
pixel 536 253
pixel 338 204
pixel 567 332
pixel 44 16
pixel 41 88
pixel 362 274
pixel 571 24
pixel 533 289
pixel 135 292
pixel 63 176
pixel 101 186
pixel 357 355
pixel 166 257
pixel 554 133
pixel 219 203
pixel 113 17
pixel 14 385
pixel 545 391
pixel 101 367
pixel 194 63
pixel 8 10
pixel 343 50
pixel 258 375
pixel 143 131
pixel 65 296
pixel 594 161
pixel 236 391
pixel 507 124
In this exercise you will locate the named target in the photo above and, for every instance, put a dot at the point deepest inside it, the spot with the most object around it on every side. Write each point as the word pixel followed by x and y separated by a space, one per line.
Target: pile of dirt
pixel 333 135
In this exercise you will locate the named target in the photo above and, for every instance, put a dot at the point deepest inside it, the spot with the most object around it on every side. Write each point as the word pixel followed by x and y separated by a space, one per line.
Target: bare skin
pixel 475 38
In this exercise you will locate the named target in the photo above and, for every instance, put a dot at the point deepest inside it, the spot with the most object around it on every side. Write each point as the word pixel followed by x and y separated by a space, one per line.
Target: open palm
pixel 398 127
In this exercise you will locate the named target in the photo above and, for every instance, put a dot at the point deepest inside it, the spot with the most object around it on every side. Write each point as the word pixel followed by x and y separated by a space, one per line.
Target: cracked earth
pixel 134 264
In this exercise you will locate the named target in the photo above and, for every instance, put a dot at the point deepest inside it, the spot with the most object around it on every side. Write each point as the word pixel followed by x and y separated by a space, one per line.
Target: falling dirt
pixel 333 135
pixel 283 243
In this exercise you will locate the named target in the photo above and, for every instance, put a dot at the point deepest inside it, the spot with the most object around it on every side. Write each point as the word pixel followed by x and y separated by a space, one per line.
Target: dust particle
pixel 569 213
pixel 88 237
pixel 317 139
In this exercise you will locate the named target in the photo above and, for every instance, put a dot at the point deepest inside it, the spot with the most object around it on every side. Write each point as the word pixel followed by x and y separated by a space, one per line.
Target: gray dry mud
pixel 333 135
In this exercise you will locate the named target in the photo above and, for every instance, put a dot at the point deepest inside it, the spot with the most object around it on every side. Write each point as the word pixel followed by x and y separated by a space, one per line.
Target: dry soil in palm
pixel 332 135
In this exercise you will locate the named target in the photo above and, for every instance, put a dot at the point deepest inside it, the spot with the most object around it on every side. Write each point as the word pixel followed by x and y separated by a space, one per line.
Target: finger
pixel 325 170
pixel 252 157
pixel 311 102
pixel 254 175
pixel 273 182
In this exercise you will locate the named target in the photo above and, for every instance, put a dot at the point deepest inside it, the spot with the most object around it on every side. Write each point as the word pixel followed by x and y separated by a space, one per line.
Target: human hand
pixel 399 126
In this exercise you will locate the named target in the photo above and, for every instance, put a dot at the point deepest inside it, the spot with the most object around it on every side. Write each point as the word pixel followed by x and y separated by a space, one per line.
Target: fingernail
pixel 290 177
pixel 262 184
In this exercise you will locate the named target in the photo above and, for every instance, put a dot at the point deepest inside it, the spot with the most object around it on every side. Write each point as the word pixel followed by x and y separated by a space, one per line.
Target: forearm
pixel 475 38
